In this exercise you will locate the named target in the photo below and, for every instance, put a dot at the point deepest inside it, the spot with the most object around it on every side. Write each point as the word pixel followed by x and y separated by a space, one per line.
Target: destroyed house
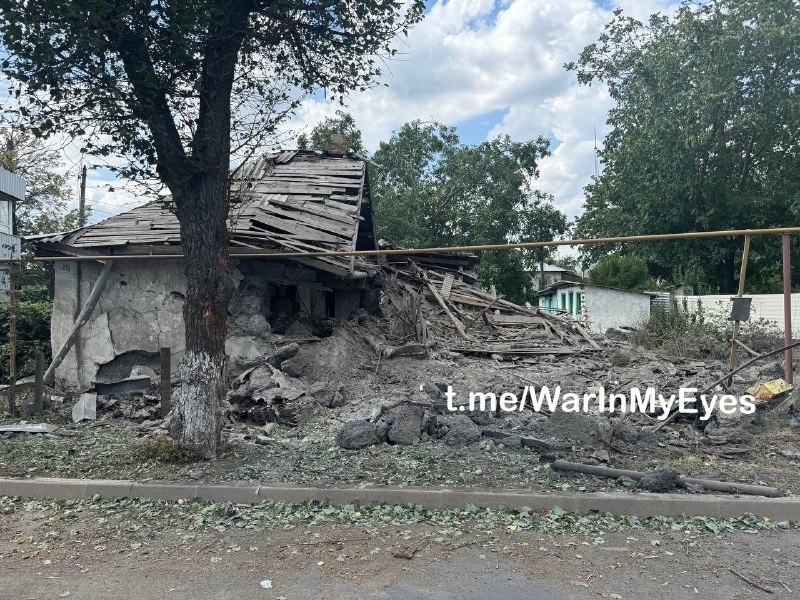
pixel 290 202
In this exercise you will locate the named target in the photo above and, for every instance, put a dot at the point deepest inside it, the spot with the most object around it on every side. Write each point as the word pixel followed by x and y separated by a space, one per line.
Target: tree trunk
pixel 542 279
pixel 203 213
pixel 726 269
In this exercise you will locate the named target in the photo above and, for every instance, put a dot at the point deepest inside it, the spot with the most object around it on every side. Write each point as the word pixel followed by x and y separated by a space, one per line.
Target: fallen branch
pixel 750 581
pixel 707 484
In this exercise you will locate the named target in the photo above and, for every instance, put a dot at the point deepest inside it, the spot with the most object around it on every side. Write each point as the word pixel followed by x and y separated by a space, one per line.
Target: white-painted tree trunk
pixel 199 407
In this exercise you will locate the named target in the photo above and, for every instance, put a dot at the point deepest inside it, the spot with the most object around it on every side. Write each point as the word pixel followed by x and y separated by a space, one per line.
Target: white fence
pixel 764 306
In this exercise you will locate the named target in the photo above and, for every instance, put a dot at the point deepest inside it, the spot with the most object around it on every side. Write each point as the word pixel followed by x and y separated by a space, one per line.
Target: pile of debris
pixel 445 308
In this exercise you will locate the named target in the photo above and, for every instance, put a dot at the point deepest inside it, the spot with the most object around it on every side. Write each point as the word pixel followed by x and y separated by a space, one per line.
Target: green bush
pixel 33 334
pixel 697 335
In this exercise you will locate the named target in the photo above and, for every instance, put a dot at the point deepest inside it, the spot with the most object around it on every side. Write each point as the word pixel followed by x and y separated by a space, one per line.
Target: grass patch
pixel 166 450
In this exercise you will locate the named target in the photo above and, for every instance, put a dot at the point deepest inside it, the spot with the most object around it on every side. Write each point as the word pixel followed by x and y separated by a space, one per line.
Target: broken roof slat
pixel 306 201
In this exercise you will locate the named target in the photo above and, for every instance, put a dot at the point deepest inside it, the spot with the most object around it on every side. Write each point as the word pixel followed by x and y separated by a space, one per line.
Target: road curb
pixel 641 504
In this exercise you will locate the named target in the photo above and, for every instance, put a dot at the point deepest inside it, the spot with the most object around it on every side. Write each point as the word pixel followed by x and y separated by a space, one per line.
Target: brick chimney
pixel 337 145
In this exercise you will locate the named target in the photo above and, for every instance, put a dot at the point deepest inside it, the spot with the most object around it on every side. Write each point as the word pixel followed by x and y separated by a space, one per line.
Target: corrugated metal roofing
pixel 12 185
pixel 295 201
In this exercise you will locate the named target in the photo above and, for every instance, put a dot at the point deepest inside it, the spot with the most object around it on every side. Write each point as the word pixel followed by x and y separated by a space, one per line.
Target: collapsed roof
pixel 293 201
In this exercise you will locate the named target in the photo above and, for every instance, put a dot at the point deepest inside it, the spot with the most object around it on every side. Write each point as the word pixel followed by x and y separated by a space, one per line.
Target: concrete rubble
pixel 349 383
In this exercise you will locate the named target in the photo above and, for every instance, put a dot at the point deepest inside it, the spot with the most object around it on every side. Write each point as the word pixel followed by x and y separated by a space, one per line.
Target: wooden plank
pixel 326 212
pixel 516 320
pixel 309 219
pixel 38 386
pixel 347 208
pixel 447 285
pixel 166 382
pixel 264 223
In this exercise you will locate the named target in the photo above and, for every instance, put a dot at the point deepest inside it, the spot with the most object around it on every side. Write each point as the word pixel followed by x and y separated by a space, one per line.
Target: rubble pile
pixel 379 381
pixel 449 310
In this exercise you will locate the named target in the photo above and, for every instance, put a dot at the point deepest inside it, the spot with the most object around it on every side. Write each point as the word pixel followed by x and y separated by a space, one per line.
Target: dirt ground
pixel 102 550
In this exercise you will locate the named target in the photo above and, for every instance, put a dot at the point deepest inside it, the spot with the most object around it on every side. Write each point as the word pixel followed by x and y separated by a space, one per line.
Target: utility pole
pixel 82 204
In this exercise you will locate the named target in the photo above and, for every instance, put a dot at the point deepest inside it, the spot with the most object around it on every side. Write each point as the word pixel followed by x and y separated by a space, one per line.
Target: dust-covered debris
pixel 355 435
pixel 318 404
pixel 659 480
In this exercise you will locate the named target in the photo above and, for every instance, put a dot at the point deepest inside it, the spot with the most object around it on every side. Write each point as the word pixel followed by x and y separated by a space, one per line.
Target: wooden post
pixel 38 387
pixel 788 371
pixel 12 341
pixel 166 382
pixel 736 324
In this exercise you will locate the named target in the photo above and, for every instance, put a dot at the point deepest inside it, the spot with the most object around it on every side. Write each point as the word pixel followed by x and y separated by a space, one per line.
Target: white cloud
pixel 470 57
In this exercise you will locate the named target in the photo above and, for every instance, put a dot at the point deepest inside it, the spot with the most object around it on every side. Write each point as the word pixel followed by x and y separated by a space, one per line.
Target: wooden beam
pixel 166 382
pixel 38 387
pixel 86 312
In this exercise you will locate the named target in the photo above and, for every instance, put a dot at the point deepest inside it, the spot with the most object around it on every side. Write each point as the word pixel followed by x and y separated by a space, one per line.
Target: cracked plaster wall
pixel 140 309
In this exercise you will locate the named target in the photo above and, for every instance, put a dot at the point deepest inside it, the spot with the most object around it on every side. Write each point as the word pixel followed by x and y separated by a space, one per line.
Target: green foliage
pixel 705 133
pixel 697 335
pixel 431 190
pixel 450 524
pixel 626 271
pixel 33 334
pixel 165 82
pixel 571 263
pixel 44 209
pixel 343 124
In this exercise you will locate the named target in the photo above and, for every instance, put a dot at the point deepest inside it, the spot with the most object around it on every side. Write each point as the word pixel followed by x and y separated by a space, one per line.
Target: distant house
pixel 598 307
pixel 552 274
pixel 12 190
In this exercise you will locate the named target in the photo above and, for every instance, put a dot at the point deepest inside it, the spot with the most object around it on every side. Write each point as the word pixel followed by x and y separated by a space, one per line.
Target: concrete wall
pixel 604 308
pixel 764 306
pixel 140 311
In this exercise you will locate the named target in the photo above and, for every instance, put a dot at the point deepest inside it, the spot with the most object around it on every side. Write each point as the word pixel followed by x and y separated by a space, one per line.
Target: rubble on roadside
pixel 379 381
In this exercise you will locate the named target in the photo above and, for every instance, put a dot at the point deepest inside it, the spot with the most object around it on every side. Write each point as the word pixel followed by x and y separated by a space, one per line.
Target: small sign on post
pixel 166 382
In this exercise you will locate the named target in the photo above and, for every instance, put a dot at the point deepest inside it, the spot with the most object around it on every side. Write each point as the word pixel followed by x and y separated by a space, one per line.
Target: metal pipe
pixel 404 251
pixel 788 371
pixel 742 275
pixel 708 484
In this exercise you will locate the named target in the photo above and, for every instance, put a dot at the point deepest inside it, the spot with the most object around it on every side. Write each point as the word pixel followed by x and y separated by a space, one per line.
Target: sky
pixel 488 67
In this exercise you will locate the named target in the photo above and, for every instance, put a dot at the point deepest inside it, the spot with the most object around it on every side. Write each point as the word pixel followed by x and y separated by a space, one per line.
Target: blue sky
pixel 489 67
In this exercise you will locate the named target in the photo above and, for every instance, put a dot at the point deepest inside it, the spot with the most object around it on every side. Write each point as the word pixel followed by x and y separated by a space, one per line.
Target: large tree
pixel 180 85
pixel 432 190
pixel 705 132
pixel 45 207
